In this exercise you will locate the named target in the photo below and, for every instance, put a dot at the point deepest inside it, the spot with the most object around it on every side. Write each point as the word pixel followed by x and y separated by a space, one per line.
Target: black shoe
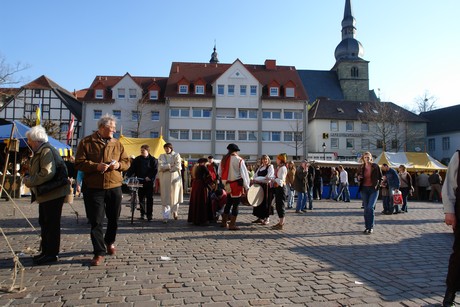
pixel 46 259
pixel 365 231
pixel 149 218
pixel 142 217
pixel 449 299
pixel 38 256
pixel 370 231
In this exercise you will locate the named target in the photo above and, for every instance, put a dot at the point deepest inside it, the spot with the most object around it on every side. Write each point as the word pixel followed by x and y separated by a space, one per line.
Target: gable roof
pixel 44 83
pixel 210 72
pixel 349 110
pixel 108 82
pixel 442 120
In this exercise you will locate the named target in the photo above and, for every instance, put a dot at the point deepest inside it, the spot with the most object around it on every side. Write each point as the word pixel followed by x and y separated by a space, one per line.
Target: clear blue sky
pixel 413 45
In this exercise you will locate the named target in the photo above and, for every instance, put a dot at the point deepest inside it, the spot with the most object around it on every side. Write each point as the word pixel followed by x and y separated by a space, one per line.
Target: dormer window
pixel 153 95
pixel 183 89
pixel 199 89
pixel 290 92
pixel 340 110
pixel 132 93
pixel 355 72
pixel 99 94
pixel 274 91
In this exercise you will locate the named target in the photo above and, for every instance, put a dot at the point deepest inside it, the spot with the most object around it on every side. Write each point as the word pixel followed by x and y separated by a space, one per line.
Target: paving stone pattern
pixel 321 258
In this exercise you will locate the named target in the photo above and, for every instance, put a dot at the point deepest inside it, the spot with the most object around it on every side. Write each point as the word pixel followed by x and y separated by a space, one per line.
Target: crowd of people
pixel 217 189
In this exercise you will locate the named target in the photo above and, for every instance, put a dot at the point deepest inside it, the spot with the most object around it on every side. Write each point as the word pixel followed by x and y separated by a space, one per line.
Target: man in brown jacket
pixel 102 158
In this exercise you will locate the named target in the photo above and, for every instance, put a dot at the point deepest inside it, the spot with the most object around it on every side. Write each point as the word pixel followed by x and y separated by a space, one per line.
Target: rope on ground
pixel 18 267
pixel 15 205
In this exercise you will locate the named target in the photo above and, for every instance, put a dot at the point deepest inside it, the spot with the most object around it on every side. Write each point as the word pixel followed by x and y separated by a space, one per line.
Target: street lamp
pixel 324 150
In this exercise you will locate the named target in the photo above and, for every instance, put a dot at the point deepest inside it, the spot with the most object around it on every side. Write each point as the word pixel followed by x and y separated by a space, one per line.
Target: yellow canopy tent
pixel 133 145
pixel 414 161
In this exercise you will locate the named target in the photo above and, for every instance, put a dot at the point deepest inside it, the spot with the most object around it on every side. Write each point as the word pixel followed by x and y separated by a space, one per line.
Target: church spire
pixel 214 58
pixel 349 47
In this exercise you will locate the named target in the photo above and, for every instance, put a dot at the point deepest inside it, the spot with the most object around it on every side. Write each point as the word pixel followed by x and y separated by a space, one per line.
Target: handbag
pixel 397 198
pixel 61 178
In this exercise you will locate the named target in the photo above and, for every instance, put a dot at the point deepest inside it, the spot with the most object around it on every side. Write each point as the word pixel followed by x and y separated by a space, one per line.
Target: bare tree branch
pixel 8 72
pixel 425 103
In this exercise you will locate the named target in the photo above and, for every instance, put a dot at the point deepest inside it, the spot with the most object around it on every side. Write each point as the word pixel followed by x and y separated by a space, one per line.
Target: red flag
pixel 70 130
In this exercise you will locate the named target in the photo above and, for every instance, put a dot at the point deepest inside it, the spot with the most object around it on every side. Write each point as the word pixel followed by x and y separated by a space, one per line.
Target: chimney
pixel 177 69
pixel 270 64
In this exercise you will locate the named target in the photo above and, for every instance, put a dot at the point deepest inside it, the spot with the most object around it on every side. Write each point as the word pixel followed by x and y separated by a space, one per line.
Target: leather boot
pixel 224 220
pixel 232 225
pixel 449 298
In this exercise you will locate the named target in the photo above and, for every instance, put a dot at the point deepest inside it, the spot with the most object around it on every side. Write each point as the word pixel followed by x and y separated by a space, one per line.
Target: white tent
pixel 413 161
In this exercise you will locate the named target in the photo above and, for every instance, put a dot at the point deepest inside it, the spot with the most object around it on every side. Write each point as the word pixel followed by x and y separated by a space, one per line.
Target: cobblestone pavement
pixel 321 258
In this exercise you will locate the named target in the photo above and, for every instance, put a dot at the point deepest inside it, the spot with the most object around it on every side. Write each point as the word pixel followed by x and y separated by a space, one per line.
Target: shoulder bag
pixel 61 178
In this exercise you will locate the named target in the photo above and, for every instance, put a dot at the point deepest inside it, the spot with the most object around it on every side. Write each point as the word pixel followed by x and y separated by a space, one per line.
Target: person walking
pixel 333 182
pixel 318 184
pixel 171 187
pixel 280 191
pixel 393 183
pixel 102 158
pixel 369 177
pixel 300 186
pixel 42 170
pixel 451 204
pixel 435 181
pixel 344 192
pixel 235 177
pixel 406 186
pixel 145 167
pixel 290 184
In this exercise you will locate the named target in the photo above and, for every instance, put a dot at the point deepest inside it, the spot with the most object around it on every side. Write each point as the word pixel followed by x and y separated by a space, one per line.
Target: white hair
pixel 37 134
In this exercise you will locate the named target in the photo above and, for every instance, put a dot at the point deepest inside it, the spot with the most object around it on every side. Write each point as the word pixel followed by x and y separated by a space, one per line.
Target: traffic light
pixel 325 136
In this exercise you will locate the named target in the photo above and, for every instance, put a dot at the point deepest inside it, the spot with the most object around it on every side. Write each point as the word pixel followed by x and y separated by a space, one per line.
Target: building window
pixel 350 143
pixel 445 143
pixel 334 125
pixel 220 135
pixel 431 144
pixel 334 143
pixel 355 72
pixel 243 90
pixel 117 114
pixel 135 115
pixel 271 114
pixel 37 93
pixel 350 126
pixel 28 106
pixel 199 89
pixel 225 113
pixel 379 144
pixel 365 127
pixel 155 115
pixel 220 89
pixel 290 136
pixel 293 114
pixel 183 89
pixel 134 134
pixel 132 93
pixel 365 144
pixel 154 95
pixel 231 90
pixel 394 144
pixel 99 94
pixel 271 136
pixel 201 134
pixel 121 93
pixel 64 127
pixel 274 91
pixel 154 134
pixel 179 112
pixel 45 107
pixel 243 113
pixel 247 136
pixel 178 134
pixel 197 112
pixel 97 114
pixel 253 90
pixel 290 92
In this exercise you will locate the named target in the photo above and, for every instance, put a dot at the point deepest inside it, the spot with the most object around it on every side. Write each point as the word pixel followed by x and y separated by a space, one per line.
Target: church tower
pixel 351 69
pixel 214 58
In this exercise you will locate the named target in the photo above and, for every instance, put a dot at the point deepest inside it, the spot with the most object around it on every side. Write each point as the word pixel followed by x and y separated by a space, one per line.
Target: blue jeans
pixel 290 196
pixel 369 196
pixel 405 194
pixel 333 192
pixel 301 201
pixel 310 197
pixel 344 192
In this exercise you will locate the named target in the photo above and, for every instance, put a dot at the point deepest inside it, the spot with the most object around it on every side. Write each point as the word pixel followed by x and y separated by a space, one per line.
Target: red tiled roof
pixel 209 72
pixel 108 82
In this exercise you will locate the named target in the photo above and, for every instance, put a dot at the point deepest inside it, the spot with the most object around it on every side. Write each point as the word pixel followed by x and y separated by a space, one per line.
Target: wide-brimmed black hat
pixel 233 147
